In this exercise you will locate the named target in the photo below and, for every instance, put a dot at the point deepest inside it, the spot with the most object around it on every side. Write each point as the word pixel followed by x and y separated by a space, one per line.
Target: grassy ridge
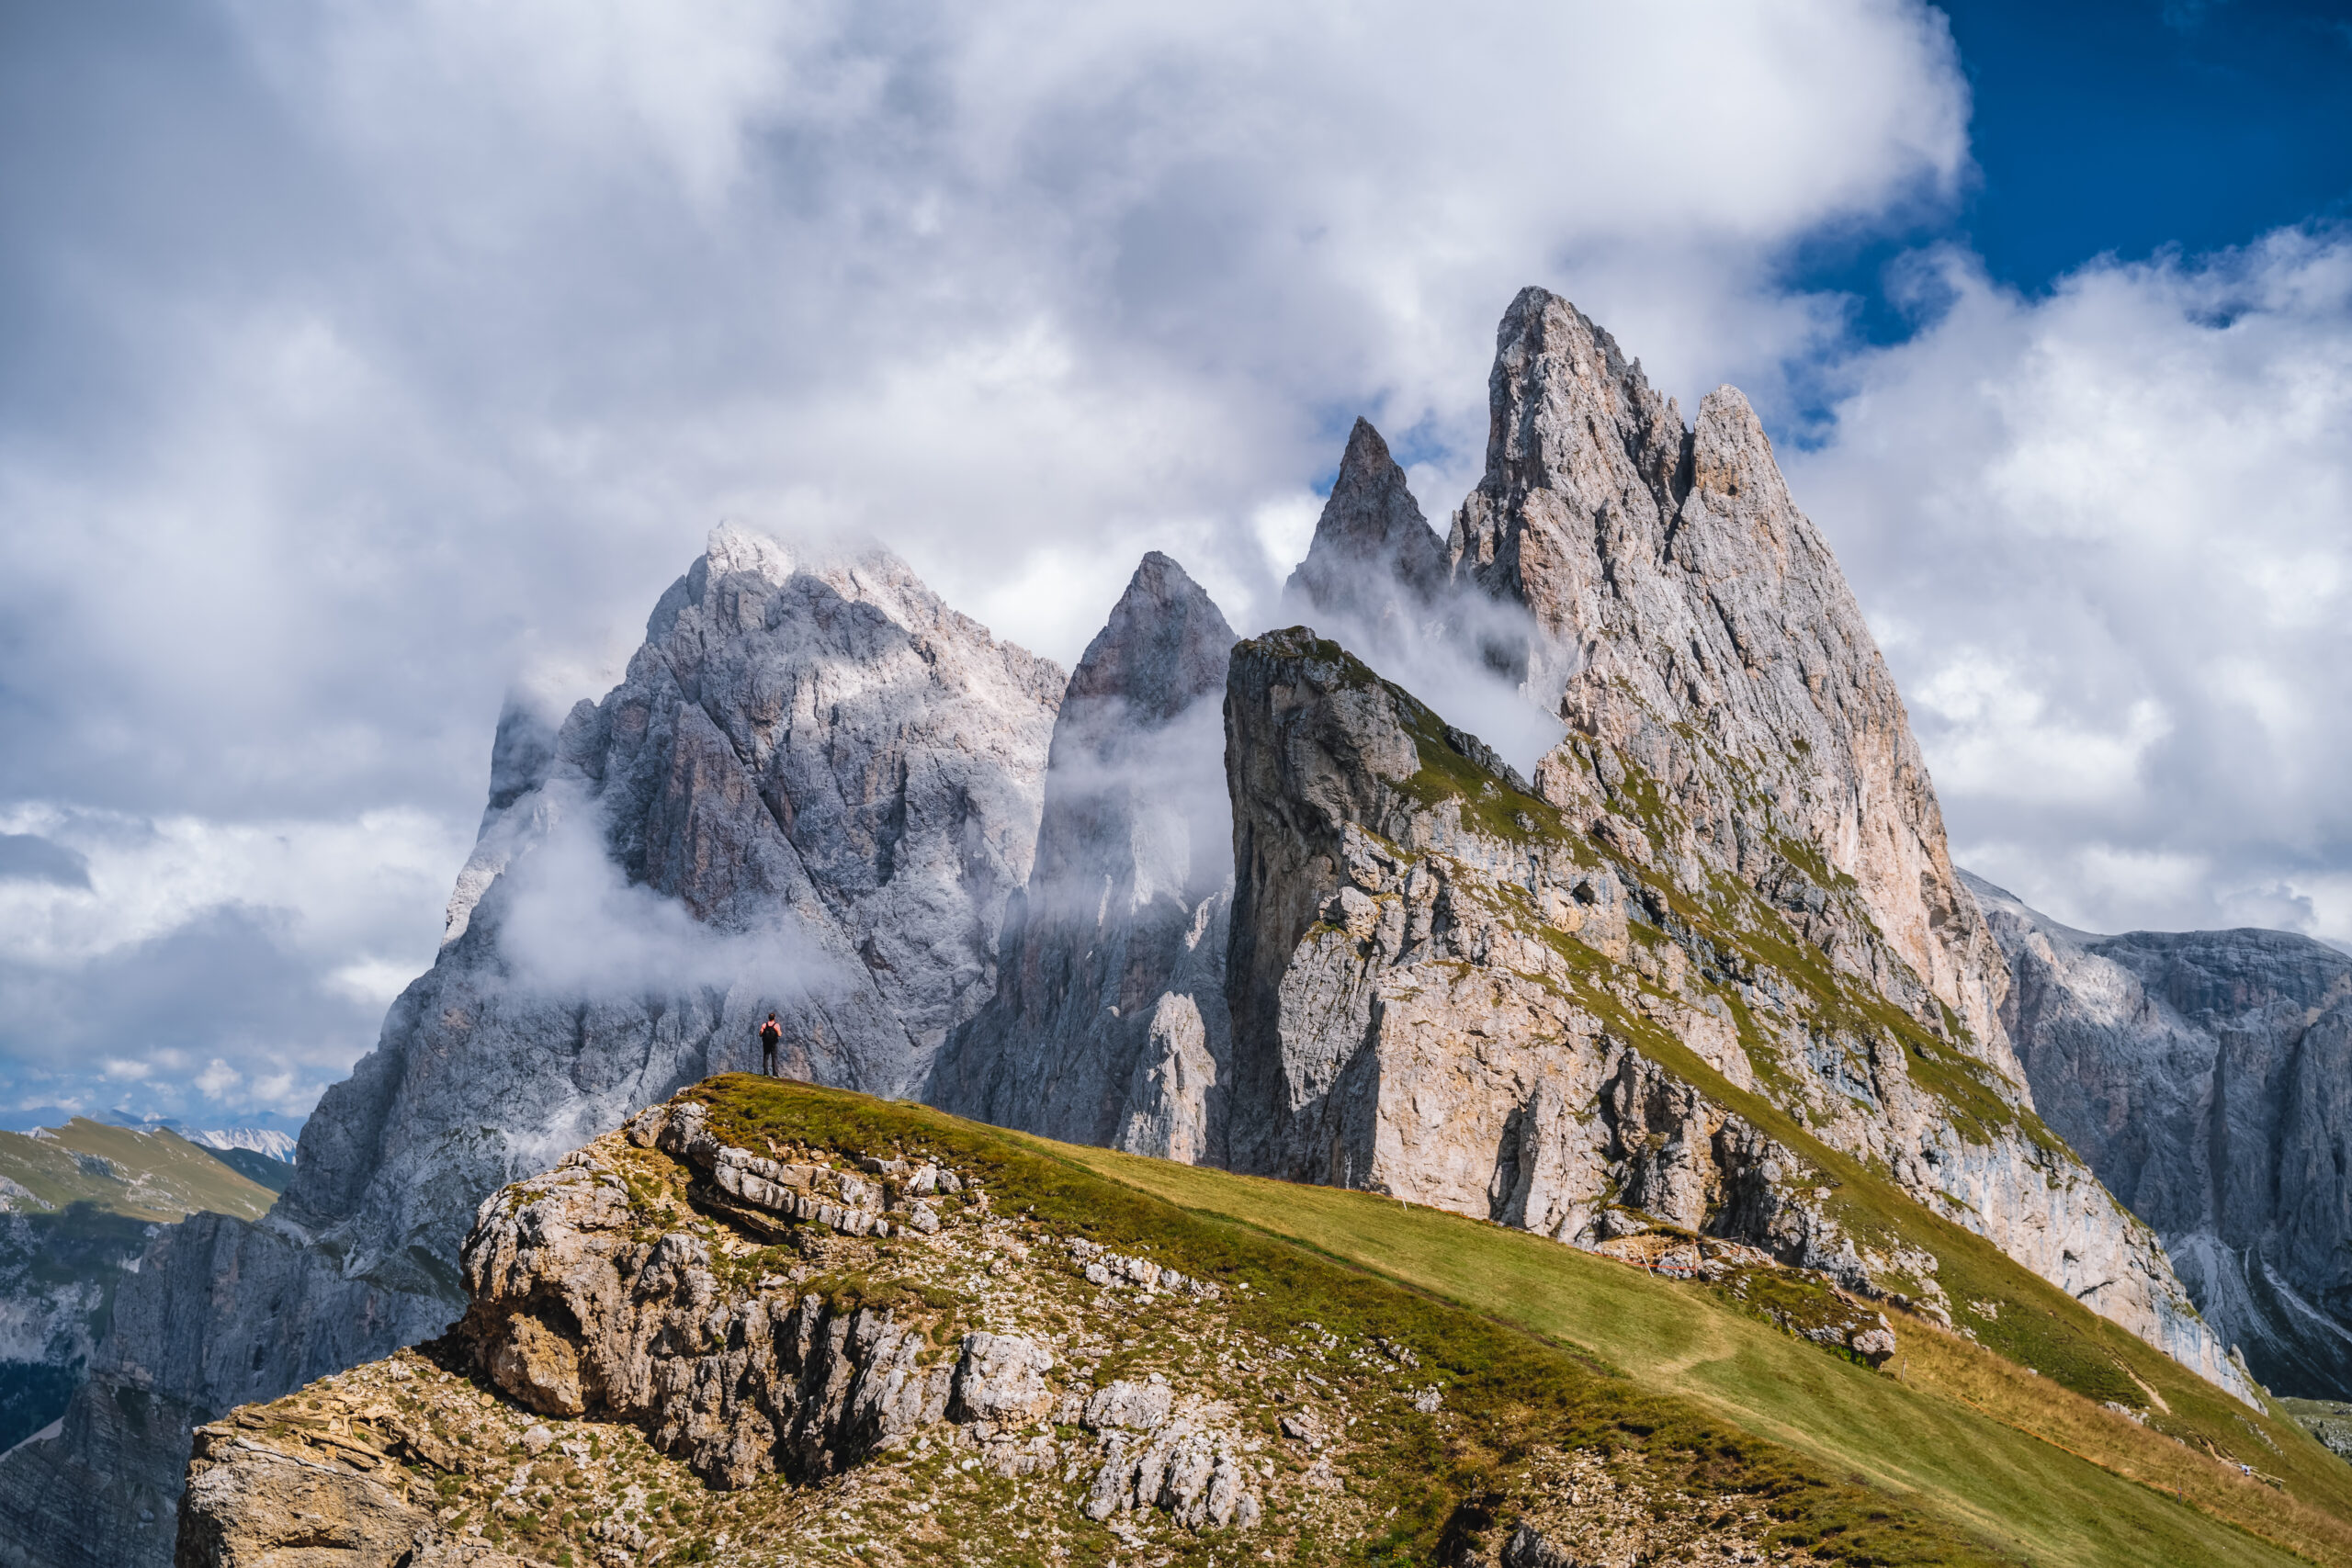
pixel 1508 1392
pixel 2028 1320
pixel 157 1176
pixel 1955 1430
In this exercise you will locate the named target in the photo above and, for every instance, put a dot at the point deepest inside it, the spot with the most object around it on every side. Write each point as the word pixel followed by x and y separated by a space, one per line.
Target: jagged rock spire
pixel 1375 559
pixel 1688 614
pixel 1161 651
pixel 1109 1022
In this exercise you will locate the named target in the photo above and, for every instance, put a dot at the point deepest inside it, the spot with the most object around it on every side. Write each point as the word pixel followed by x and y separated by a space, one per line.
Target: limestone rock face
pixel 2207 1078
pixel 1108 1026
pixel 255 1505
pixel 813 793
pixel 1690 617
pixel 1733 864
pixel 1448 988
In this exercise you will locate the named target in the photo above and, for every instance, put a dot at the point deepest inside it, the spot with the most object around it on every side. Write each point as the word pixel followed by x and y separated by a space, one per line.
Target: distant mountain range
pixel 2206 1077
pixel 266 1141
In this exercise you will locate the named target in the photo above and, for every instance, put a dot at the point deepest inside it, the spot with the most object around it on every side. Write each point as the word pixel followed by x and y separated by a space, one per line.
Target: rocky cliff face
pixel 1108 1026
pixel 2206 1077
pixel 813 793
pixel 1537 1000
pixel 1448 987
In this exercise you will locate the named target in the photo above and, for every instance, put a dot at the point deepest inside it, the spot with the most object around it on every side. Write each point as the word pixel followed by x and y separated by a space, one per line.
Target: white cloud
pixel 1997 738
pixel 2110 534
pixel 278 944
pixel 379 878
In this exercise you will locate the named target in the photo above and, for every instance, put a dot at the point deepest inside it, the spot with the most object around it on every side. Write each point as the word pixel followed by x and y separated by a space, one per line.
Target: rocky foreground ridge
pixel 680 1343
pixel 2207 1078
pixel 1705 965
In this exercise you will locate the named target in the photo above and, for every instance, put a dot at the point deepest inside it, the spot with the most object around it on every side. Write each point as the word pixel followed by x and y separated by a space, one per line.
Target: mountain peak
pixel 733 547
pixel 1163 646
pixel 1687 611
pixel 1373 557
pixel 1110 1024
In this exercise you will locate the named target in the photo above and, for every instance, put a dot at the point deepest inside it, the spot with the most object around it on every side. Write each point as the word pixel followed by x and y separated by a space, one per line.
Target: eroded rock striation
pixel 1108 1026
pixel 2206 1077
pixel 812 793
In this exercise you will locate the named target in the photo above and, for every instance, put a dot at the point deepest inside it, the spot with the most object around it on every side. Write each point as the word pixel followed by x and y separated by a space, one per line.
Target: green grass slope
pixel 157 1176
pixel 1950 1427
pixel 1952 1454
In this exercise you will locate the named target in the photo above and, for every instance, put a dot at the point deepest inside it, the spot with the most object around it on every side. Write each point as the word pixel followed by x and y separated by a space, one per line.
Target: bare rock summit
pixel 1691 617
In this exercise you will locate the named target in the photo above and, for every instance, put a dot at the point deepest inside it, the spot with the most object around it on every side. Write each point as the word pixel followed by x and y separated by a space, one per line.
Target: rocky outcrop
pixel 600 1301
pixel 813 793
pixel 1108 1026
pixel 2207 1078
pixel 254 1503
pixel 1448 988
pixel 575 1312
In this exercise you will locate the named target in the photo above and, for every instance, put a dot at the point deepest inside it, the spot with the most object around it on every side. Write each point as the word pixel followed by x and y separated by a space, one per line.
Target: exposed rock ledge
pixel 638 1284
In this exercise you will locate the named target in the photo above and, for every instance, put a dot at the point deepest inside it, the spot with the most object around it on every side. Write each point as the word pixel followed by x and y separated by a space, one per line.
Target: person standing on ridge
pixel 771 1033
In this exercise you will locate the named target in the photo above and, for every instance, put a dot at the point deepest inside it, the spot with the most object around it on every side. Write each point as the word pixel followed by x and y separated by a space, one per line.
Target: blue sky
pixel 2127 127
pixel 367 362
pixel 2124 127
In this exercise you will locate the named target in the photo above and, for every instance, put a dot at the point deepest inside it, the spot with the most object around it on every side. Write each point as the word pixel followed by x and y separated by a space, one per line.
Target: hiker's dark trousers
pixel 767 1060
